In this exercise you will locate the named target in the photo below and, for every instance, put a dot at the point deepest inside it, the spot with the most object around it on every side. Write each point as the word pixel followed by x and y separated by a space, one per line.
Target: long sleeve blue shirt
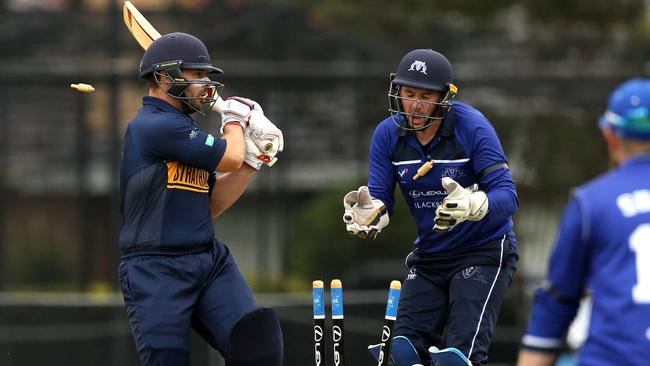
pixel 603 245
pixel 466 149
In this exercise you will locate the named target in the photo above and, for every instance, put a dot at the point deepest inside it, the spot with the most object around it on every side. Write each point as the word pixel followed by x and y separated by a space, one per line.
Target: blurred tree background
pixel 541 71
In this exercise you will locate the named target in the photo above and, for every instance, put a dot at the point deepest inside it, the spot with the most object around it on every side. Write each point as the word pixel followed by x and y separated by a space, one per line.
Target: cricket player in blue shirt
pixel 453 174
pixel 174 274
pixel 603 247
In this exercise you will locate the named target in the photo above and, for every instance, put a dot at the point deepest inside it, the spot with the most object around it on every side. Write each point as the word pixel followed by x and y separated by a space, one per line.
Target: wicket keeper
pixel 453 174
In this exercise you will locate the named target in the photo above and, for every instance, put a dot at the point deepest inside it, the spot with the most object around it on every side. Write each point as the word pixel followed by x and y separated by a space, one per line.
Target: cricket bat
pixel 145 34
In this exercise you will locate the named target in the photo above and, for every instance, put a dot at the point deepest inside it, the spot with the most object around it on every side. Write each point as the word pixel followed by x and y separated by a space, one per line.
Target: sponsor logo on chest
pixel 185 177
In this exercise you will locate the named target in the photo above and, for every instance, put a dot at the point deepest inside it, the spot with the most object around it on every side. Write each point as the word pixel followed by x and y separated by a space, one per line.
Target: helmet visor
pixel 207 67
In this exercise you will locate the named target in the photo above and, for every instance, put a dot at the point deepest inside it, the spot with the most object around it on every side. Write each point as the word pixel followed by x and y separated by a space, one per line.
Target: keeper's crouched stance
pixel 174 274
pixel 453 175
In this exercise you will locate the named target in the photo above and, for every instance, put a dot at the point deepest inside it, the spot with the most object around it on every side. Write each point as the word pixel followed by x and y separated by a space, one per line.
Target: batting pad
pixel 256 340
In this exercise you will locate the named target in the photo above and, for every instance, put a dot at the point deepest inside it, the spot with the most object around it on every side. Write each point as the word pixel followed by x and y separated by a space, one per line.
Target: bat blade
pixel 140 28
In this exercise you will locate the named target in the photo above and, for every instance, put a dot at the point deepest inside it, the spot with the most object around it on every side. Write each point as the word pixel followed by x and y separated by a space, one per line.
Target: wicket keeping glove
pixel 237 110
pixel 364 216
pixel 461 204
pixel 264 140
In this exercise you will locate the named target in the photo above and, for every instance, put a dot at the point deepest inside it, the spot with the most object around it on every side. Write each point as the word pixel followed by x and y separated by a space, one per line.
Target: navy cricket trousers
pixel 452 299
pixel 168 295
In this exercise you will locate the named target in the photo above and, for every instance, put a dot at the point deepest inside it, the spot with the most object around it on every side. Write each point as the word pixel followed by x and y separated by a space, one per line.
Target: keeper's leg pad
pixel 256 339
pixel 402 352
pixel 449 357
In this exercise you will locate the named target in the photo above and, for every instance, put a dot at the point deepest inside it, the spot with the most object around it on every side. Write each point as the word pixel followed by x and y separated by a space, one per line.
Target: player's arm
pixel 367 209
pixel 262 139
pixel 495 178
pixel 174 139
pixel 529 357
pixel 556 303
pixel 381 176
pixel 233 156
pixel 496 194
pixel 228 188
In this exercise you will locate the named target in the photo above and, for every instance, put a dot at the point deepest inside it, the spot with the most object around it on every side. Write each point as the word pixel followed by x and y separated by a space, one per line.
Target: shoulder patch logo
pixel 420 66
pixel 209 140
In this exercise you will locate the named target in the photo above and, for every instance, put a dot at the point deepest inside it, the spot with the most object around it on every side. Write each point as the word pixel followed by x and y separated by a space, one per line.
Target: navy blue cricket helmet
pixel 177 46
pixel 423 69
pixel 628 110
pixel 176 51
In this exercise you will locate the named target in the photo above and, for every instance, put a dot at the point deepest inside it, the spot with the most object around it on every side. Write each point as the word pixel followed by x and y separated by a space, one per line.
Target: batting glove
pixel 461 204
pixel 264 140
pixel 364 216
pixel 237 110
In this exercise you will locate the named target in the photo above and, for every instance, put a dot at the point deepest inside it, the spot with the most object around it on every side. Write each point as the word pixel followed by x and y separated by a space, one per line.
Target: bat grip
pixel 218 105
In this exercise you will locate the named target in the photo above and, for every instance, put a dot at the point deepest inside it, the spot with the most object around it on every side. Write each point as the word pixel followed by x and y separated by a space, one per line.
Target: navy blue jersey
pixel 466 149
pixel 603 245
pixel 166 174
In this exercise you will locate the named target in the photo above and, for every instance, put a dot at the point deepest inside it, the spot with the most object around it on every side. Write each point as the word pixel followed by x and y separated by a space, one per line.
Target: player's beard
pixel 193 103
pixel 186 108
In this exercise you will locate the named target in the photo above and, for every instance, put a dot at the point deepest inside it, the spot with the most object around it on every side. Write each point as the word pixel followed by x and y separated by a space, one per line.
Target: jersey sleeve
pixel 381 178
pixel 495 178
pixel 556 303
pixel 175 139
pixel 212 180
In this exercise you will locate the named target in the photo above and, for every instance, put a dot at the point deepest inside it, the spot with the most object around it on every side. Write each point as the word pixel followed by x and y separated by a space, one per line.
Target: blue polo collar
pixel 638 159
pixel 160 104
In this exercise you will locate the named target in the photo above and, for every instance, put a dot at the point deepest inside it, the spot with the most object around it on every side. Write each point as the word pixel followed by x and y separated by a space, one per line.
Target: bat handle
pixel 218 105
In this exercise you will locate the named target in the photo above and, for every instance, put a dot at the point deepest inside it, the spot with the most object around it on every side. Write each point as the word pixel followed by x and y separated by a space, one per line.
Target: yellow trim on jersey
pixel 173 186
pixel 186 177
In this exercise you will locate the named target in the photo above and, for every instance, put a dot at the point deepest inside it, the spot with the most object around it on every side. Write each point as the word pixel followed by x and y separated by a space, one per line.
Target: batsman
pixel 453 174
pixel 174 274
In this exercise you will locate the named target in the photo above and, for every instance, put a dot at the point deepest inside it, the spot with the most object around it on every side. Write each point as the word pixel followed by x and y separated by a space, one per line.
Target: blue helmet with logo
pixel 176 51
pixel 423 69
pixel 628 110
pixel 177 46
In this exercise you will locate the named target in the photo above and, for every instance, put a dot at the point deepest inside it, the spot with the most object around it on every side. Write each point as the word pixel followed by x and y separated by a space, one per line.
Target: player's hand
pixel 264 140
pixel 237 110
pixel 364 216
pixel 461 204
